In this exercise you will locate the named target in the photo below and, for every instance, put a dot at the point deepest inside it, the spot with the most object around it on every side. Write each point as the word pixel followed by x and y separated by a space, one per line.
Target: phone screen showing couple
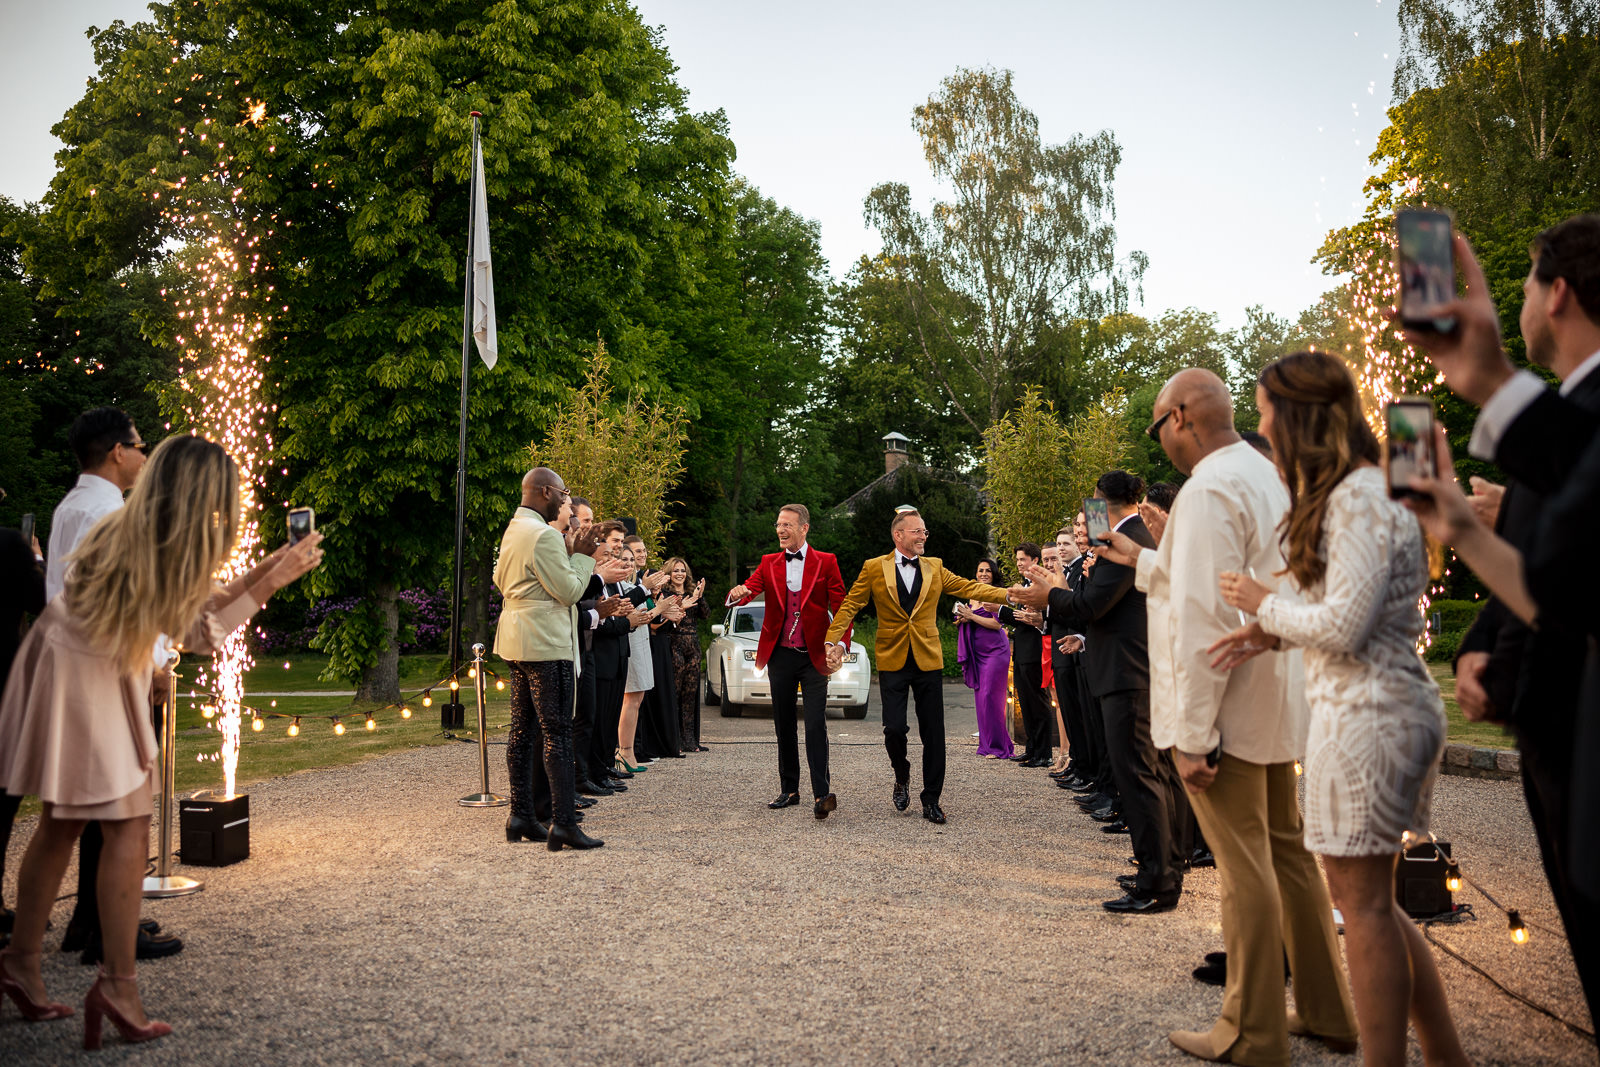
pixel 1097 516
pixel 1427 265
pixel 1408 451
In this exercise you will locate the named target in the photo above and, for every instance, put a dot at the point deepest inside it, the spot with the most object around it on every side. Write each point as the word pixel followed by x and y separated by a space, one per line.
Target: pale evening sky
pixel 1245 126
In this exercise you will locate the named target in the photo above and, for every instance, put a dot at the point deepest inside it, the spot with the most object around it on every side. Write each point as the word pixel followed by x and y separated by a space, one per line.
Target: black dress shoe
pixel 1091 801
pixel 824 805
pixel 619 776
pixel 148 947
pixel 1130 882
pixel 615 786
pixel 1062 783
pixel 1020 757
pixel 584 802
pixel 701 748
pixel 1211 974
pixel 902 796
pixel 1134 905
pixel 570 837
pixel 521 829
pixel 784 800
pixel 1202 857
pixel 1083 786
pixel 1118 827
pixel 931 812
pixel 593 789
pixel 1105 815
pixel 1216 959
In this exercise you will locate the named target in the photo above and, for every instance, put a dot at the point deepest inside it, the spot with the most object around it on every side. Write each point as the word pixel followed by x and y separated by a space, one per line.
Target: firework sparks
pixel 219 308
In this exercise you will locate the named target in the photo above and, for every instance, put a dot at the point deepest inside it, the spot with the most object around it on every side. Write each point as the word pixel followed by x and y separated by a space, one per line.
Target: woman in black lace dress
pixel 686 648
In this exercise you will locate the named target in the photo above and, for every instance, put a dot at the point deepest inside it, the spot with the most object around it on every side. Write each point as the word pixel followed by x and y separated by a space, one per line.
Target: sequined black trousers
pixel 539 747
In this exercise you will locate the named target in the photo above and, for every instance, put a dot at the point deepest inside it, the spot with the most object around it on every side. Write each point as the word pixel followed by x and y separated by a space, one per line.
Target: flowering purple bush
pixel 424 622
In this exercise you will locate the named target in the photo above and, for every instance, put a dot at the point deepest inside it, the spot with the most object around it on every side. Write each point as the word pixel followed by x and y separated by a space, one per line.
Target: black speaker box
pixel 1419 880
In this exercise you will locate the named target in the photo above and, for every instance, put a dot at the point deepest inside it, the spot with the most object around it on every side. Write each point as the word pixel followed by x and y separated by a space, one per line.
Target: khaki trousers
pixel 1273 898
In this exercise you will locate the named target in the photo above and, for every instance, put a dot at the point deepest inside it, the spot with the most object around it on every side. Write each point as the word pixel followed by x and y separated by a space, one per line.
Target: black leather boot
pixel 571 837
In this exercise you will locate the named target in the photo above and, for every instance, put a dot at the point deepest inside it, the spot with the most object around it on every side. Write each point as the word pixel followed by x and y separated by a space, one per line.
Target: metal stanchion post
pixel 483 798
pixel 164 883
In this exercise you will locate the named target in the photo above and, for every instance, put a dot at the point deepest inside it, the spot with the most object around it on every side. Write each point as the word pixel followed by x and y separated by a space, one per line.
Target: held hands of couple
pixel 835 657
pixel 1245 643
pixel 1471 358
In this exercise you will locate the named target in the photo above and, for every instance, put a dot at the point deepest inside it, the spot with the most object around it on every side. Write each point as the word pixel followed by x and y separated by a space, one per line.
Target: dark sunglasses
pixel 143 447
pixel 1154 429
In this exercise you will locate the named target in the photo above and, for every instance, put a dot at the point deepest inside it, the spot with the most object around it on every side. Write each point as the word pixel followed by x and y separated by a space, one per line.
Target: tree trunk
pixel 733 523
pixel 483 579
pixel 381 682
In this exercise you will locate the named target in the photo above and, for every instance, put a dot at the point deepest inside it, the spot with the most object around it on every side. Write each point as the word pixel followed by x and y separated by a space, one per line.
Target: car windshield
pixel 747 620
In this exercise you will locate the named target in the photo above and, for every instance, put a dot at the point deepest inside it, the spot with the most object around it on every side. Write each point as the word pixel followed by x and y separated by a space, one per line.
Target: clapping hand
pixel 655 580
pixel 587 543
pixel 612 570
pixel 1242 591
pixel 1070 644
pixel 1155 521
pixel 1029 617
pixel 1485 499
pixel 1245 643
pixel 1029 596
pixel 1040 575
pixel 1471 357
pixel 699 591
pixel 638 617
pixel 606 607
pixel 672 609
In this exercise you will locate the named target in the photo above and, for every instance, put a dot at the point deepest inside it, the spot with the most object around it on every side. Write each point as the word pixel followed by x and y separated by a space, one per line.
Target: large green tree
pixel 1025 239
pixel 346 130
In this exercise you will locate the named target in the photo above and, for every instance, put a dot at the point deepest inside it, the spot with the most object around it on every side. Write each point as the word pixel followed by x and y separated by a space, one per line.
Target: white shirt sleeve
pixel 1501 410
pixel 1211 540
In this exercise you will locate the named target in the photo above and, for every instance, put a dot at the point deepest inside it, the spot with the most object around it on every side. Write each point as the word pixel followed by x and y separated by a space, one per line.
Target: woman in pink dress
pixel 985 657
pixel 75 723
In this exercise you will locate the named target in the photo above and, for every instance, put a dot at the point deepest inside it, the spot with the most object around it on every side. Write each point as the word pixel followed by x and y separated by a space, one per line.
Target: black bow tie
pixel 792 556
pixel 907 562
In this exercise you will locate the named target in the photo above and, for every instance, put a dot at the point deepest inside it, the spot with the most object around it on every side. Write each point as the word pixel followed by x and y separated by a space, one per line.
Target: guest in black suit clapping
pixel 1027 671
pixel 1118 665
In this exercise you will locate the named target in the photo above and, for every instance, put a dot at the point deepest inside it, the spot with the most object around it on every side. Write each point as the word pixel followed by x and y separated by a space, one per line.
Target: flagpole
pixel 452 713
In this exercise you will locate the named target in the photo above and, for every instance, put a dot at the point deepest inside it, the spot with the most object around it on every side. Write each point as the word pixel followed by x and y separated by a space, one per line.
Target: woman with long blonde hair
pixel 1377 722
pixel 75 723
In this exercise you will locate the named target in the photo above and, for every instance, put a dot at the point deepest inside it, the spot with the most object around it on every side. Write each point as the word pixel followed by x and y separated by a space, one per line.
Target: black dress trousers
pixel 539 745
pixel 927 687
pixel 1033 702
pixel 1146 781
pixel 788 670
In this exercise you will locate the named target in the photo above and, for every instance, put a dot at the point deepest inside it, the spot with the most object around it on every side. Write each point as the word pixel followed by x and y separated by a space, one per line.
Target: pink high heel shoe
pixel 31 1011
pixel 97 1004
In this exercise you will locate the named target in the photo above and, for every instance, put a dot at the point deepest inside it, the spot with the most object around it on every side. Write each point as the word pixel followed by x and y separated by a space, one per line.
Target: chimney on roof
pixel 895 455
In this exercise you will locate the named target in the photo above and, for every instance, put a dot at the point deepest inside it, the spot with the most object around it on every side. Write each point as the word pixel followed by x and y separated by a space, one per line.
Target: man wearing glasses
pixel 905 586
pixel 803 589
pixel 110 455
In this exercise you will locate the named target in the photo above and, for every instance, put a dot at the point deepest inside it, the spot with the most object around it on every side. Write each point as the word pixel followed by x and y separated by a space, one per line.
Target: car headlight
pixel 749 656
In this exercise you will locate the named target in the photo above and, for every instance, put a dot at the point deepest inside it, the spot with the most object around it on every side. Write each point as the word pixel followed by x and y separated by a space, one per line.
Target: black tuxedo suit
pixel 1552 449
pixel 1118 666
pixel 610 660
pixel 1027 675
pixel 1080 712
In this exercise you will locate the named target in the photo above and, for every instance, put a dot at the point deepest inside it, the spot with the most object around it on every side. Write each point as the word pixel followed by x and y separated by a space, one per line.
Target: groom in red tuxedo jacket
pixel 803 589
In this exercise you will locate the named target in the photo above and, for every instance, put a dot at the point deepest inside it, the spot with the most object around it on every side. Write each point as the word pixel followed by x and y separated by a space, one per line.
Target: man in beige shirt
pixel 1236 735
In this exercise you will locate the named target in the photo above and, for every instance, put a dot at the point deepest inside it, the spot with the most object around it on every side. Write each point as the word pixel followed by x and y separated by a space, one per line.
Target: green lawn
pixel 1481 734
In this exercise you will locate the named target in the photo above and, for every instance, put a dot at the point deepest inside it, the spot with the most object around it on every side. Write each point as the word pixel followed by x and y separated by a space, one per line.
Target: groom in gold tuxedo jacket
pixel 905 586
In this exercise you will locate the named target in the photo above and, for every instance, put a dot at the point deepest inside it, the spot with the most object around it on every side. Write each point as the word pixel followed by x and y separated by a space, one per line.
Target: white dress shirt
pixel 794 570
pixel 89 501
pixel 1226 519
pixel 1511 400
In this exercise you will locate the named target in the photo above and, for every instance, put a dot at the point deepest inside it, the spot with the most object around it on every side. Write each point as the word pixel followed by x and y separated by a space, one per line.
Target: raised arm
pixel 968 589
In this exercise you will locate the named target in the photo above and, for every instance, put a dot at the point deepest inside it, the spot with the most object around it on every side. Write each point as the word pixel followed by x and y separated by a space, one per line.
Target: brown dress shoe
pixel 1198 1043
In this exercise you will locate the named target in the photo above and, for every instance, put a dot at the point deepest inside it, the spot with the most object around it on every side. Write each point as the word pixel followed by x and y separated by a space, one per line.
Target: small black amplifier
pixel 214 830
pixel 1419 880
pixel 452 715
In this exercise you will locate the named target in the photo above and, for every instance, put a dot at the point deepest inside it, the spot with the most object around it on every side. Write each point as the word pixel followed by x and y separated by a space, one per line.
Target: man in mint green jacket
pixel 542 577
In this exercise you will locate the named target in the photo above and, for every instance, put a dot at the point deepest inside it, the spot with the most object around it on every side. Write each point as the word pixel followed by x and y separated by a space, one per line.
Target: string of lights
pixel 368 717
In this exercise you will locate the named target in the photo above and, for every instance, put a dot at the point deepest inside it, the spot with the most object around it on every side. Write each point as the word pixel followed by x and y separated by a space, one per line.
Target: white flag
pixel 482 278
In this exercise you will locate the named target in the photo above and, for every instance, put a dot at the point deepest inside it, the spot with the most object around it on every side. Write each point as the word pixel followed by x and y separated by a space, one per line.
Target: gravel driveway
pixel 376 920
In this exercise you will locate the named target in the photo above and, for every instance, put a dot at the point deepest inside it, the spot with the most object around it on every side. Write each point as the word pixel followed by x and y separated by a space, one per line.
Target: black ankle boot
pixel 570 836
pixel 524 828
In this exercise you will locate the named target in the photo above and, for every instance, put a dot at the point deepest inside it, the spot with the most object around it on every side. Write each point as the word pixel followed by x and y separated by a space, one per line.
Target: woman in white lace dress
pixel 1359 563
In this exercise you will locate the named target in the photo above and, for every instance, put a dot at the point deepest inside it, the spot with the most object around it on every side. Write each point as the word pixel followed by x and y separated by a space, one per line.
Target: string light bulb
pixel 294 727
pixel 257 724
pixel 338 727
pixel 372 724
pixel 427 700
pixel 472 672
pixel 1452 877
pixel 208 710
pixel 454 685
pixel 1519 932
pixel 405 712
pixel 499 683
pixel 1298 770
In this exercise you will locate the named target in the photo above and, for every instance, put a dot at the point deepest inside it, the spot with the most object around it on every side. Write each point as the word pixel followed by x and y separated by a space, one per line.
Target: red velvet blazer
pixel 821 593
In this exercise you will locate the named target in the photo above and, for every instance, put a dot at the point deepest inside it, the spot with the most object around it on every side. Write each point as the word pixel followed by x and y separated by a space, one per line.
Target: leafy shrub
pixel 1454 614
pixel 1444 647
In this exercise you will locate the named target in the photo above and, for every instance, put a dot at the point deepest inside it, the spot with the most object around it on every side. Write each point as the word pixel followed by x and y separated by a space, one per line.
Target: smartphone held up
pixel 1097 517
pixel 1408 445
pixel 1425 259
pixel 302 522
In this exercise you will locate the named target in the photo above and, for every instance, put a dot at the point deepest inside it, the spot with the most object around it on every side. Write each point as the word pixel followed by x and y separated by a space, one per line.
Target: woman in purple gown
pixel 985 657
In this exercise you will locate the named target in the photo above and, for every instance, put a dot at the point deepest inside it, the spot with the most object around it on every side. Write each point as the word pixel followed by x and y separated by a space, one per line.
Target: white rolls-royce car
pixel 733 681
